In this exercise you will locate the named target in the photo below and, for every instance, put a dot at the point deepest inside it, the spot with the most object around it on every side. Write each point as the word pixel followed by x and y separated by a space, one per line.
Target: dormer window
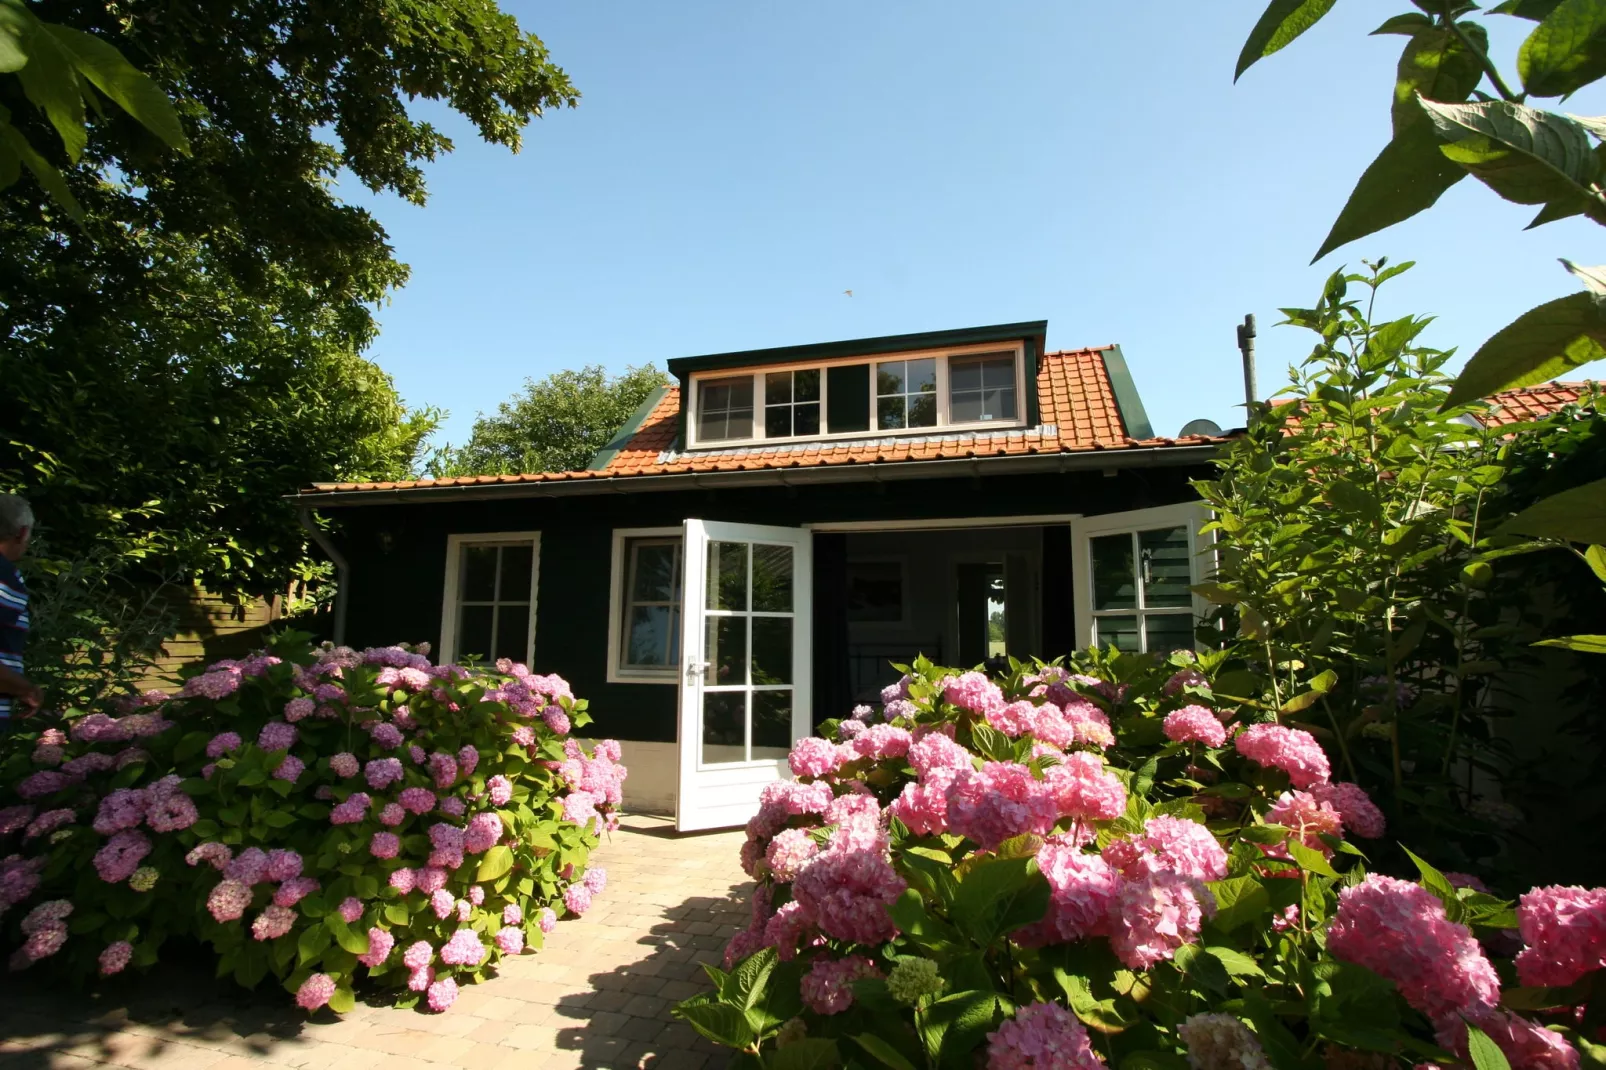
pixel 978 387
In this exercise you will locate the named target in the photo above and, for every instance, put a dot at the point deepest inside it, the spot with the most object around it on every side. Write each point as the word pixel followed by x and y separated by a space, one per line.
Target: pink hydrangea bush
pixel 318 810
pixel 1112 870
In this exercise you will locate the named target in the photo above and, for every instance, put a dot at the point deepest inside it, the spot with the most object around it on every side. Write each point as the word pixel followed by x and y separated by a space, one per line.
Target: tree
pixel 556 424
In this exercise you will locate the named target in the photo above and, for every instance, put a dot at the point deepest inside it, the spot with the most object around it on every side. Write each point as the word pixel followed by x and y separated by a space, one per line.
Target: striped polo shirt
pixel 13 623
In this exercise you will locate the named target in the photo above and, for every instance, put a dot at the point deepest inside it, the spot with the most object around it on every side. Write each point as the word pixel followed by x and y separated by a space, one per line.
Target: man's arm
pixel 27 692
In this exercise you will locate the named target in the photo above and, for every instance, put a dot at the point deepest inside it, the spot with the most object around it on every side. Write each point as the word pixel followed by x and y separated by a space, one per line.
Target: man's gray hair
pixel 15 515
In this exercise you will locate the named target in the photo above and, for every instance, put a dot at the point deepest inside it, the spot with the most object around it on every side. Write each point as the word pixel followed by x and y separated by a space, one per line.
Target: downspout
pixel 342 570
pixel 1246 345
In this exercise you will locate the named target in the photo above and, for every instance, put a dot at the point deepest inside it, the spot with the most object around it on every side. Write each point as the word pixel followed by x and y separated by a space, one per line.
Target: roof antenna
pixel 1246 345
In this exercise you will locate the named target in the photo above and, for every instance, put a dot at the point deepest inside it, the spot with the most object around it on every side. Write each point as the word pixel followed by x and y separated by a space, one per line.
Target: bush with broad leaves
pixel 327 816
pixel 1108 868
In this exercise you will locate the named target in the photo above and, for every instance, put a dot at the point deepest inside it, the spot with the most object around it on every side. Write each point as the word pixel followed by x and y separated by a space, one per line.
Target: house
pixel 767 535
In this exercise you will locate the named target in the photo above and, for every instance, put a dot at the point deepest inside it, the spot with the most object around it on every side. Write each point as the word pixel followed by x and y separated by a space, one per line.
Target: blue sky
pixel 734 167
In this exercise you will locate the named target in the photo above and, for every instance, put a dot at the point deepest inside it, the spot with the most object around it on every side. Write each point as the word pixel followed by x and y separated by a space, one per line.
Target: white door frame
pixel 723 794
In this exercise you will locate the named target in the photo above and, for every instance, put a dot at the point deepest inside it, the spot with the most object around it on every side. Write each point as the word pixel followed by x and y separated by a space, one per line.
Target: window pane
pixel 964 408
pixel 726 408
pixel 474 631
pixel 712 426
pixel 889 377
pixel 923 410
pixel 772 578
pixel 517 566
pixel 740 424
pixel 478 583
pixel 889 412
pixel 777 388
pixel 1122 631
pixel 649 640
pixel 1001 402
pixel 806 385
pixel 727 651
pixel 724 726
pixel 806 418
pixel 1166 574
pixel 772 650
pixel 778 421
pixel 772 724
pixel 964 375
pixel 921 376
pixel 1168 631
pixel 727 575
pixel 1112 572
pixel 512 631
pixel 656 572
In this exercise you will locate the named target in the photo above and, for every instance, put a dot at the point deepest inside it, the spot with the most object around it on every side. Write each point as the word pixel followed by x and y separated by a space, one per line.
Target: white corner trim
pixel 616 591
pixel 1201 552
pixel 454 553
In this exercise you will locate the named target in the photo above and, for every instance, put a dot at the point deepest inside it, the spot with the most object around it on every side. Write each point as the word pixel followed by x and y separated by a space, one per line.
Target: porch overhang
pixel 815 475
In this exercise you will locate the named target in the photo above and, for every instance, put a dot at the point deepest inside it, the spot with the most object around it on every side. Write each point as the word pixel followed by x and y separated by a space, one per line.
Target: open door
pixel 744 688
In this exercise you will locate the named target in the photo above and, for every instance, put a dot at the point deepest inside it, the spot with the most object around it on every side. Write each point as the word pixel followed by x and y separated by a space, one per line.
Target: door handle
pixel 694 670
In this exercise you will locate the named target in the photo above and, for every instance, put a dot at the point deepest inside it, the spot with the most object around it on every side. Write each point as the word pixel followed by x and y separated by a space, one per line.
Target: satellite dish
pixel 1200 427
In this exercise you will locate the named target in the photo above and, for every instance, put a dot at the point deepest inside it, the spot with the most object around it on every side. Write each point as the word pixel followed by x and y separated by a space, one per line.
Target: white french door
pixel 744 685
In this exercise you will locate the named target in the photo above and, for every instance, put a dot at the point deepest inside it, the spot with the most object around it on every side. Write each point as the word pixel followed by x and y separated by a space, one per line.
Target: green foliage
pixel 246 799
pixel 556 424
pixel 1524 154
pixel 1350 522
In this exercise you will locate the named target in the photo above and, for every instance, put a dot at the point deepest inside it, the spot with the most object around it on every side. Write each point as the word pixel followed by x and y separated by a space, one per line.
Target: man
pixel 18 694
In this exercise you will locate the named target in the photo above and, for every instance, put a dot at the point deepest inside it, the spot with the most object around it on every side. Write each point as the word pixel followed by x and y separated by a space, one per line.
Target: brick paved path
pixel 598 994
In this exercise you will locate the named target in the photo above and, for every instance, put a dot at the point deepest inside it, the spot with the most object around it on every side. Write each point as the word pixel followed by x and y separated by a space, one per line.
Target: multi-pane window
pixel 792 403
pixel 649 638
pixel 981 388
pixel 495 589
pixel 906 393
pixel 725 409
pixel 1141 600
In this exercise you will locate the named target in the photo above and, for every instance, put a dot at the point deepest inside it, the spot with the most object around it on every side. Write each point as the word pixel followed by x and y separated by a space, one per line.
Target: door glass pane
pixel 1113 586
pixel 772 578
pixel 1166 575
pixel 516 568
pixel 1122 631
pixel 727 651
pixel 512 631
pixel 479 574
pixel 724 726
pixel 1168 632
pixel 727 575
pixel 772 724
pixel 653 636
pixel 772 650
pixel 655 579
pixel 474 630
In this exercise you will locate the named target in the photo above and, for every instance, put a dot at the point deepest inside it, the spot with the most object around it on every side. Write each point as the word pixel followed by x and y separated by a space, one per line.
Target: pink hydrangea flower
pixel 500 790
pixel 443 768
pixel 380 943
pixel 250 866
pixel 1083 789
pixel 282 864
pixel 294 891
pixel 47 822
pixel 484 832
pixel 344 764
pixel 923 806
pixel 1153 916
pixel 847 892
pixel 123 808
pixel 418 955
pixel 1084 722
pixel 1565 930
pixel 216 855
pixel 442 994
pixel 228 900
pixel 547 920
pixel 1083 889
pixel 813 756
pixel 828 986
pixel 1195 724
pixel 468 758
pixel 392 815
pixel 350 909
pixel 1014 720
pixel 276 735
pixel 298 709
pixel 1398 930
pixel 882 741
pixel 290 769
pixel 45 782
pixel 385 735
pixel 211 685
pixel 417 800
pixel 117 861
pixel 1173 844
pixel 1526 1045
pixel 512 914
pixel 384 845
pixel 1000 801
pixel 431 879
pixel 556 720
pixel 352 810
pixel 1042 1035
pixel 1306 818
pixel 1293 750
pixel 172 812
pixel 442 903
pixel 452 806
pixel 1185 678
pixel 523 736
pixel 315 991
pixel 1355 808
pixel 403 879
pixel 13 818
pixel 116 957
pixel 973 691
pixel 273 922
pixel 222 743
pixel 577 897
pixel 383 772
pixel 510 940
pixel 789 852
pixel 419 980
pixel 935 750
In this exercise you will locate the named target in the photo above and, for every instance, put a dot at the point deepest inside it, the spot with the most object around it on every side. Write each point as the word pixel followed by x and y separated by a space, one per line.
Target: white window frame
pixel 1201 556
pixel 454 569
pixel 943 426
pixel 618 673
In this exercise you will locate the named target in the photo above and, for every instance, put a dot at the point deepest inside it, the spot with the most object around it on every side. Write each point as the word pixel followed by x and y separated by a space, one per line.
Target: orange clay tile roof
pixel 1076 401
pixel 1531 402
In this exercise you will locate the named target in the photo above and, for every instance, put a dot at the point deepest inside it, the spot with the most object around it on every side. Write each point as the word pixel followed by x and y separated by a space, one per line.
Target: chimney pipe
pixel 1246 345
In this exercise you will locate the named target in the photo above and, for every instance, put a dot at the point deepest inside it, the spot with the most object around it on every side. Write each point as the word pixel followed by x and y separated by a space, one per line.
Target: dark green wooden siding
pixel 398 553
